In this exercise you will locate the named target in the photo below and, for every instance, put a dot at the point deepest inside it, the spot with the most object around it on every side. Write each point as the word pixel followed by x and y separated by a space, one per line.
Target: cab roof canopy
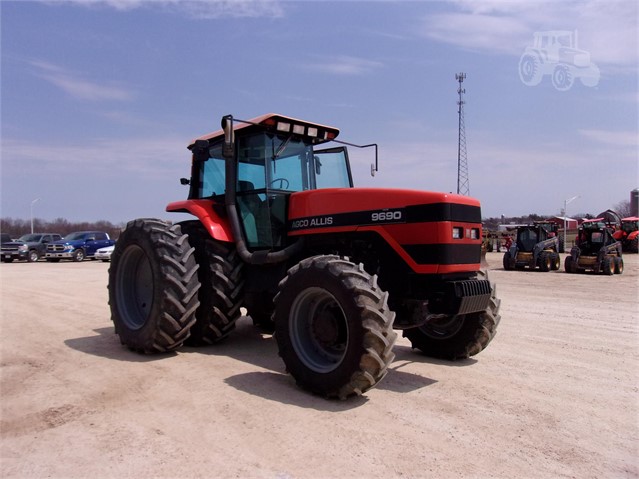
pixel 316 132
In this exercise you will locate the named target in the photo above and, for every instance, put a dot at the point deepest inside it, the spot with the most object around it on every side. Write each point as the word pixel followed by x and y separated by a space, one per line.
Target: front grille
pixel 55 247
pixel 9 248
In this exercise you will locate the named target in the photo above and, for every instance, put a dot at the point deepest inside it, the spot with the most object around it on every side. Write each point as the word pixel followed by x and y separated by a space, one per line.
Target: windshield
pixel 630 226
pixel 30 238
pixel 267 161
pixel 274 162
pixel 75 236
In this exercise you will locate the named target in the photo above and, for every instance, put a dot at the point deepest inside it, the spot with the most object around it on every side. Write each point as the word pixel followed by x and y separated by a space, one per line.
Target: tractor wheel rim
pixel 444 328
pixel 135 287
pixel 318 329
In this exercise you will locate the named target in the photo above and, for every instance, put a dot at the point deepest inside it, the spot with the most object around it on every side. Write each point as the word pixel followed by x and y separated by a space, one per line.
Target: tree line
pixel 17 227
pixel 623 209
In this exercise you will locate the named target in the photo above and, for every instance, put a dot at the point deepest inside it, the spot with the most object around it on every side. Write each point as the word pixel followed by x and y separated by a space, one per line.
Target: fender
pixel 618 235
pixel 632 235
pixel 218 227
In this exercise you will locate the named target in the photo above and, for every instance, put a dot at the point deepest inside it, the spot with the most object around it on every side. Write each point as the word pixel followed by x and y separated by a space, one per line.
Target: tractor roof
pixel 319 133
pixel 630 218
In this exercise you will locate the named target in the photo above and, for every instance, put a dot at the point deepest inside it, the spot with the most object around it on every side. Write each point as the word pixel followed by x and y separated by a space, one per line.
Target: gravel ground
pixel 554 395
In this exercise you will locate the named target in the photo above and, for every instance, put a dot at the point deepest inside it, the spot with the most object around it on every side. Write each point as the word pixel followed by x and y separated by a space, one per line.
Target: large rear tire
pixel 333 327
pixel 220 274
pixel 569 265
pixel 153 286
pixel 459 336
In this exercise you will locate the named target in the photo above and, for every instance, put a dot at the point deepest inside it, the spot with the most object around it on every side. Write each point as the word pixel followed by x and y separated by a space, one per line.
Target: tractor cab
pixel 528 236
pixel 629 225
pixel 254 166
pixel 594 235
pixel 628 234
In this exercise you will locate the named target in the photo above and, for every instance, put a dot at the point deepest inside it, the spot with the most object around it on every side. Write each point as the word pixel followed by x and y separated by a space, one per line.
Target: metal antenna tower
pixel 463 187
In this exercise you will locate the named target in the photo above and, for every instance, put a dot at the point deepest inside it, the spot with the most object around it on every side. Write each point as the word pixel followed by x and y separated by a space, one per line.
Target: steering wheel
pixel 284 183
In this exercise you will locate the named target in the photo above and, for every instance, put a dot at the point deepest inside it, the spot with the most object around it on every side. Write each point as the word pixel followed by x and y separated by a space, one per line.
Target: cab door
pixel 330 168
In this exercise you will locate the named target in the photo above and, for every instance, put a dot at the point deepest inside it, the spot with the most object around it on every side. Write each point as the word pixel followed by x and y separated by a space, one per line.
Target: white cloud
pixel 500 172
pixel 102 158
pixel 345 65
pixel 477 31
pixel 612 138
pixel 198 9
pixel 608 30
pixel 77 87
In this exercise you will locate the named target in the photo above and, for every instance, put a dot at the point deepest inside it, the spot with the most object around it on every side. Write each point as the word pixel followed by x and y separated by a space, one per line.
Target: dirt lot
pixel 554 395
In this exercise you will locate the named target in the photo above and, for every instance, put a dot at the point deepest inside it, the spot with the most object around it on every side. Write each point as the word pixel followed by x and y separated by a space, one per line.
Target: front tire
pixel 508 261
pixel 33 256
pixel 545 261
pixel 459 336
pixel 78 255
pixel 333 327
pixel 562 77
pixel 618 265
pixel 608 266
pixel 153 286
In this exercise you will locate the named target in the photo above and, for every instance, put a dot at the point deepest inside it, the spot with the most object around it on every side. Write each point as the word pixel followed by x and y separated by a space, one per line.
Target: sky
pixel 100 99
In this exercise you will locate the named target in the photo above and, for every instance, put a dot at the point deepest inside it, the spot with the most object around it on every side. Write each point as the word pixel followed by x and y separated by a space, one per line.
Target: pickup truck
pixel 30 247
pixel 78 246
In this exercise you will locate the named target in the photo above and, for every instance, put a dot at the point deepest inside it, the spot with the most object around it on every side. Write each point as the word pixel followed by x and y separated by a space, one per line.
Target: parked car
pixel 5 238
pixel 30 247
pixel 78 246
pixel 104 254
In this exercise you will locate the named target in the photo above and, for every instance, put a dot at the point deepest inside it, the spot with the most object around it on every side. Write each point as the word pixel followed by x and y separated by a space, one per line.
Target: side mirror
pixel 185 181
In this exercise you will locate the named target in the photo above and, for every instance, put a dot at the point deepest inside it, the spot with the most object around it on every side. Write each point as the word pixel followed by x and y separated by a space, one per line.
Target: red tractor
pixel 331 269
pixel 628 234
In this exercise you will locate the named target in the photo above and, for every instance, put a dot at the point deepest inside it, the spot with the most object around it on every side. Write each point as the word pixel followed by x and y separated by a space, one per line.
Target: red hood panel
pixel 343 200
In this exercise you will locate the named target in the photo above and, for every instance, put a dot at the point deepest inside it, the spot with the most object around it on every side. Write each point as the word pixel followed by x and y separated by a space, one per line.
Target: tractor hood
pixel 370 206
pixel 432 232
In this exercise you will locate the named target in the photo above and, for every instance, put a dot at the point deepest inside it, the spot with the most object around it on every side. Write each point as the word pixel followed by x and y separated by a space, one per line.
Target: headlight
pixel 70 247
pixel 458 232
pixel 474 233
pixel 23 247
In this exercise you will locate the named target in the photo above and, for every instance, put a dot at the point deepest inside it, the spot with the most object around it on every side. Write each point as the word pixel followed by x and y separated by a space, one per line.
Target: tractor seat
pixel 255 215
